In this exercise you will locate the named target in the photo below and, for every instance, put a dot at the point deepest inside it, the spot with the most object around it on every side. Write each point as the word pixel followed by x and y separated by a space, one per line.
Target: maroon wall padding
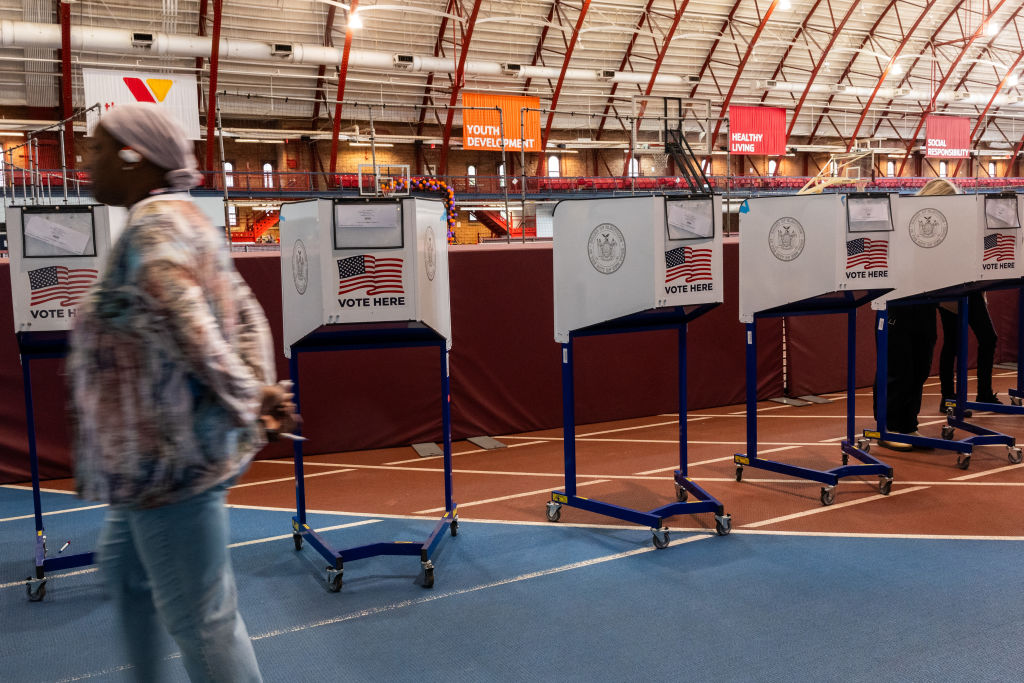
pixel 817 345
pixel 505 366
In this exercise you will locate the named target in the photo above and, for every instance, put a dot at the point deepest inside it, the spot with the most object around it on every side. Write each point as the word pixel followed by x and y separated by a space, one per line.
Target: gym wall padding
pixel 504 365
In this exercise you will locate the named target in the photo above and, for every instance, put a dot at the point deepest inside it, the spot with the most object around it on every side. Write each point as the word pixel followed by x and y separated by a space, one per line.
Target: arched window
pixel 890 169
pixel 228 170
pixel 991 169
pixel 471 175
pixel 634 168
pixel 268 175
pixel 943 169
pixel 833 168
pixel 554 167
pixel 772 167
pixel 501 175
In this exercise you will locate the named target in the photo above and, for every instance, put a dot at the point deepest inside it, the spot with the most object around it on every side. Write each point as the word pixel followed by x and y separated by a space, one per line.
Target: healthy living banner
pixel 482 129
pixel 175 92
pixel 948 137
pixel 757 130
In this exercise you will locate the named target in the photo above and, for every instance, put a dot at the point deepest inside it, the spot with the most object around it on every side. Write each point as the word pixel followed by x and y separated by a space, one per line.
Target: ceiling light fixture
pixel 354 22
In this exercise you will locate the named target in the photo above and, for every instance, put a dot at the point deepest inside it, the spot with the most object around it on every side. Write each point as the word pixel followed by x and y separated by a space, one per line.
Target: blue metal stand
pixel 1017 393
pixel 674 318
pixel 846 304
pixel 375 336
pixel 37 346
pixel 955 414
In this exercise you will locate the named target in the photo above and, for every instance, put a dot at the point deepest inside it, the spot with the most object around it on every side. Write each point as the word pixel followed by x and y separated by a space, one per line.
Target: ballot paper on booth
pixel 615 257
pixel 999 240
pixel 57 253
pixel 937 244
pixel 363 261
pixel 805 246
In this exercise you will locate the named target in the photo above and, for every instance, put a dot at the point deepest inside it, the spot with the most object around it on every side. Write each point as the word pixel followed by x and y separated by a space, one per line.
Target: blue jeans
pixel 171 565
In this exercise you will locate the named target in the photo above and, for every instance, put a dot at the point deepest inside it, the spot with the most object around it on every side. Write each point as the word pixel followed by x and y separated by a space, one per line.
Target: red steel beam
pixel 319 93
pixel 67 105
pixel 342 77
pixel 584 6
pixel 438 50
pixel 714 46
pixel 817 67
pixel 885 72
pixel 942 82
pixel 995 94
pixel 849 65
pixel 211 99
pixel 789 48
pixel 460 77
pixel 644 17
pixel 661 56
pixel 741 65
pixel 552 14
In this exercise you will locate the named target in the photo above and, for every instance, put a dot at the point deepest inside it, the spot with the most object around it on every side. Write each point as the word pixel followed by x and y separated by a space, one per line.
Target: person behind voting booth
pixel 172 388
pixel 980 323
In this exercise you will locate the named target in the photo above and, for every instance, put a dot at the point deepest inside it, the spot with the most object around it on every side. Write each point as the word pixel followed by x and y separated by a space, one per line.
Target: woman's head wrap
pixel 149 130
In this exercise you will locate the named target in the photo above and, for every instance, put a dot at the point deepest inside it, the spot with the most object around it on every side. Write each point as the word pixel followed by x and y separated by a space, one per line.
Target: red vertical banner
pixel 948 137
pixel 757 130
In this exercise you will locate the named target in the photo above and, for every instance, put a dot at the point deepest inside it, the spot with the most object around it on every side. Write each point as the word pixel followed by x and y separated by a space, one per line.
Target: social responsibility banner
pixel 175 92
pixel 757 130
pixel 948 137
pixel 481 129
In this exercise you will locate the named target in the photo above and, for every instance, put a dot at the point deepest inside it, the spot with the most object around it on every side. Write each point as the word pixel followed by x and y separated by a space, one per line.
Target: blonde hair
pixel 936 187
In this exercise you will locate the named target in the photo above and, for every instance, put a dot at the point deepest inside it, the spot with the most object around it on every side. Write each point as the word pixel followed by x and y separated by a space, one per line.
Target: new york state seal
pixel 786 238
pixel 928 228
pixel 606 248
pixel 300 267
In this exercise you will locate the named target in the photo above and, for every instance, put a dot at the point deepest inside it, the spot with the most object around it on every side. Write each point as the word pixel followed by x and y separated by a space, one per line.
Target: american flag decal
pixel 999 247
pixel 375 275
pixel 60 283
pixel 868 253
pixel 692 265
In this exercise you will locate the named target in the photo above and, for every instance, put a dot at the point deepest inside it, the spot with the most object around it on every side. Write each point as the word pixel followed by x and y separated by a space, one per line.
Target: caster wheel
pixel 846 459
pixel 333 579
pixel 723 524
pixel 660 538
pixel 554 511
pixel 864 445
pixel 885 485
pixel 682 494
pixel 1013 454
pixel 38 594
pixel 1015 400
pixel 963 461
pixel 428 577
pixel 454 528
pixel 828 495
pixel 297 538
pixel 739 473
pixel 947 432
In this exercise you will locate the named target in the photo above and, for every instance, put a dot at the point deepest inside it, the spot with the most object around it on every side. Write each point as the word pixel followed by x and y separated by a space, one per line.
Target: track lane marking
pixel 509 497
pixel 826 508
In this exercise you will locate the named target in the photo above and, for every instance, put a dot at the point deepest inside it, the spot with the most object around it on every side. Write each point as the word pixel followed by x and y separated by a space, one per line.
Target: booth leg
pixel 37 504
pixel 299 521
pixel 682 401
pixel 569 419
pixel 1017 394
pixel 742 459
pixel 446 429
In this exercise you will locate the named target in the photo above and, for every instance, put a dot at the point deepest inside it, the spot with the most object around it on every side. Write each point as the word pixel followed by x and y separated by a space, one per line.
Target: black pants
pixel 981 324
pixel 912 337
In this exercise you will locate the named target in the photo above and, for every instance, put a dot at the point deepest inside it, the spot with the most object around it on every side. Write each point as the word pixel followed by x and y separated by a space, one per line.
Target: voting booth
pixel 810 255
pixel 56 254
pixel 360 273
pixel 948 246
pixel 629 265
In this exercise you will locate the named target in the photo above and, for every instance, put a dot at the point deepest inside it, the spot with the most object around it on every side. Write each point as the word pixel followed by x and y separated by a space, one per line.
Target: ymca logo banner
pixel 175 92
pixel 481 129
pixel 948 137
pixel 757 130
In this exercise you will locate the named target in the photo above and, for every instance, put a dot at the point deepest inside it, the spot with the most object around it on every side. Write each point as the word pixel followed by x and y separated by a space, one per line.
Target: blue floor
pixel 553 602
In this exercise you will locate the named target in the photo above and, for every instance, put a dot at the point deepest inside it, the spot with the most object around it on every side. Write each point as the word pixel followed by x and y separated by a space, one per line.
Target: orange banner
pixel 482 129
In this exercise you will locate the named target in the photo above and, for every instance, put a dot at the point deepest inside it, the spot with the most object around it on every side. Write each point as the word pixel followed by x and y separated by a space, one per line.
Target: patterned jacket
pixel 168 356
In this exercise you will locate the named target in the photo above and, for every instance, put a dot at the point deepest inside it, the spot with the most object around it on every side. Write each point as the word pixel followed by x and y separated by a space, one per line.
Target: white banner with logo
pixel 175 92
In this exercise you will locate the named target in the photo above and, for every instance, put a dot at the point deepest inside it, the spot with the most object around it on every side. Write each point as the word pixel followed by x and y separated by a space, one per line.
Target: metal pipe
pixel 522 164
pixel 223 177
pixel 63 163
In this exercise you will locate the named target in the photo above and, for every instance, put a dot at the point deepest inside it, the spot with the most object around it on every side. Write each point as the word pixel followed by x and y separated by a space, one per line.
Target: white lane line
pixel 28 487
pixel 975 475
pixel 510 497
pixel 268 539
pixel 843 534
pixel 473 589
pixel 469 452
pixel 713 460
pixel 292 478
pixel 54 512
pixel 826 508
